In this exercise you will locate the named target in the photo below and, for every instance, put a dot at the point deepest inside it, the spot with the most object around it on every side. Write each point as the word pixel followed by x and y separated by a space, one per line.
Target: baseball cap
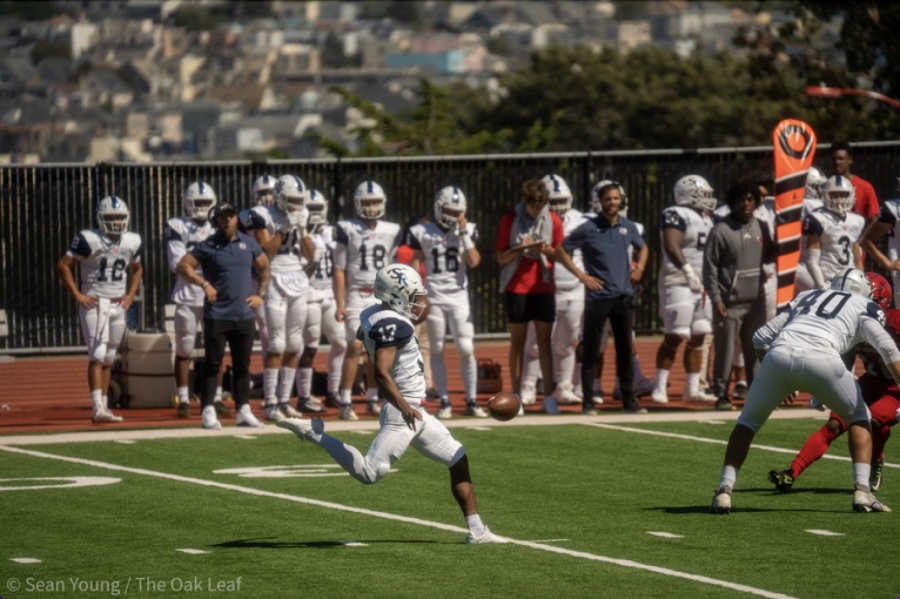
pixel 220 209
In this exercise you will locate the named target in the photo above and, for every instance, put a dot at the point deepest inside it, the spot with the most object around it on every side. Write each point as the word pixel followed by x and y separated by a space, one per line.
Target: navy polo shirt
pixel 227 265
pixel 604 248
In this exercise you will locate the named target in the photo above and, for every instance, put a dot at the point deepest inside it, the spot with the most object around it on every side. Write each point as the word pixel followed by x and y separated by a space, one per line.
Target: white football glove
pixel 298 218
pixel 693 280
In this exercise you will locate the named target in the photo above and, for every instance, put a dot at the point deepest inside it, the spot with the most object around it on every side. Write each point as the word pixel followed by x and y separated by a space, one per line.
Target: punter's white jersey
pixel 104 261
pixel 321 278
pixel 361 250
pixel 565 280
pixel 838 236
pixel 380 326
pixel 442 254
pixel 182 234
pixel 695 227
pixel 270 218
pixel 823 320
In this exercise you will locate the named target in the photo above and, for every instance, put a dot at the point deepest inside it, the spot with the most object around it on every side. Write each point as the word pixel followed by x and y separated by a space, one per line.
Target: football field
pixel 612 506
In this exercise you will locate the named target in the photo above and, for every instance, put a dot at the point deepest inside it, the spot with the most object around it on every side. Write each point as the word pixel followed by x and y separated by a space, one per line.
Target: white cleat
pixel 209 419
pixel 476 411
pixel 445 413
pixel 866 502
pixel 565 395
pixel 698 394
pixel 373 408
pixel 272 413
pixel 721 503
pixel 307 430
pixel 347 413
pixel 487 537
pixel 287 410
pixel 104 416
pixel 311 404
pixel 528 393
pixel 659 395
pixel 245 417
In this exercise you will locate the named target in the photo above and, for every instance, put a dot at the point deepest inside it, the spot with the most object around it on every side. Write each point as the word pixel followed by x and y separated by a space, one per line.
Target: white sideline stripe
pixel 399 518
pixel 825 533
pixel 125 441
pixel 192 551
pixel 628 429
pixel 25 560
pixel 353 544
pixel 665 535
pixel 247 437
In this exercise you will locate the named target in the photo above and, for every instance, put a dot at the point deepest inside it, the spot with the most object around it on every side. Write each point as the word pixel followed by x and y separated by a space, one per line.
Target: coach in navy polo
pixel 604 242
pixel 227 259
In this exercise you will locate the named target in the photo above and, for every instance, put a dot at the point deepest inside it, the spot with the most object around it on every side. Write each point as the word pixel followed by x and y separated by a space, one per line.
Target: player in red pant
pixel 879 391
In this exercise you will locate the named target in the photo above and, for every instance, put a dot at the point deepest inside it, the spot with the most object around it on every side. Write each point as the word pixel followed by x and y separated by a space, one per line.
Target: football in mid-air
pixel 503 406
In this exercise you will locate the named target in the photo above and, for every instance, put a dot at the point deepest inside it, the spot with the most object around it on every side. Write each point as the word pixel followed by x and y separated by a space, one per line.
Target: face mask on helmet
pixel 696 192
pixel 263 190
pixel 559 194
pixel 449 205
pixel 369 200
pixel 318 210
pixel 199 198
pixel 882 293
pixel 852 280
pixel 112 215
pixel 290 193
pixel 839 195
pixel 815 183
pixel 400 286
pixel 597 208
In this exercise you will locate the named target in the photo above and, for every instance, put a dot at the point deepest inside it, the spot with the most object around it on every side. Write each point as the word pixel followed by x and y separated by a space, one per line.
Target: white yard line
pixel 398 518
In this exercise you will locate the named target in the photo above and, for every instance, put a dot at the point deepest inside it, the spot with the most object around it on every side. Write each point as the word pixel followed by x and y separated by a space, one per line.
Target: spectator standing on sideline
pixel 802 349
pixel 736 249
pixel 446 248
pixel 525 244
pixel 104 254
pixel 686 312
pixel 227 258
pixel 604 243
pixel 387 330
pixel 866 203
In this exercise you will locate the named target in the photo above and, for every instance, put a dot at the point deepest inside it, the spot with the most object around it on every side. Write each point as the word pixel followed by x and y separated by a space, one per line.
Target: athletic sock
pixel 861 474
pixel 692 381
pixel 218 396
pixel 270 386
pixel 304 381
pixel 729 476
pixel 182 393
pixel 372 394
pixel 476 526
pixel 815 447
pixel 346 397
pixel 662 378
pixel 97 400
pixel 287 384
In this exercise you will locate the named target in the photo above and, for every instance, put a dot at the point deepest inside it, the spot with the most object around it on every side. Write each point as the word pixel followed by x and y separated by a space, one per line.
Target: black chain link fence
pixel 43 206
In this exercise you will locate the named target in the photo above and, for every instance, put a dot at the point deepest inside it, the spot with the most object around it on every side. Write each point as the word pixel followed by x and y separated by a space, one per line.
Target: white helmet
pixel 839 195
pixel 199 198
pixel 815 183
pixel 696 192
pixel 449 198
pixel 852 280
pixel 290 193
pixel 369 191
pixel 559 194
pixel 595 197
pixel 263 189
pixel 317 205
pixel 112 215
pixel 398 285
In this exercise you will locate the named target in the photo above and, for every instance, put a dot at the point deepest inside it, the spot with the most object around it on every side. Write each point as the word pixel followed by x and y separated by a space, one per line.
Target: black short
pixel 525 307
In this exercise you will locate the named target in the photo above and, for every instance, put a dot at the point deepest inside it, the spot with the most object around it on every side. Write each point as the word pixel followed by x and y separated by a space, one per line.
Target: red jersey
pixel 528 276
pixel 877 375
pixel 866 201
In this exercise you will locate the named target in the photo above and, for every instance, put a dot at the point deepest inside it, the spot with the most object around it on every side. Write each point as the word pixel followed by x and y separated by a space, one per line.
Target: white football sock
pixel 182 393
pixel 270 385
pixel 286 384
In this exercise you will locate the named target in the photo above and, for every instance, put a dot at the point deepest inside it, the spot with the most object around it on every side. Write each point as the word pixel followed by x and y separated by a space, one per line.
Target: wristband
pixel 467 242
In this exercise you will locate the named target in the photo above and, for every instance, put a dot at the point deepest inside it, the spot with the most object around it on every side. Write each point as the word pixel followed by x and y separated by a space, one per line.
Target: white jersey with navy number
pixel 838 236
pixel 442 254
pixel 270 218
pixel 361 250
pixel 104 261
pixel 182 234
pixel 321 277
pixel 695 227
pixel 821 319
pixel 890 214
pixel 380 327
